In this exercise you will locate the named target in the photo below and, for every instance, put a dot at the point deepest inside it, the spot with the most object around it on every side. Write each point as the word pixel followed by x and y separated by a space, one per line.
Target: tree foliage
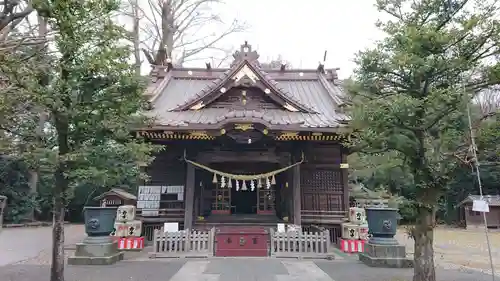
pixel 93 97
pixel 411 91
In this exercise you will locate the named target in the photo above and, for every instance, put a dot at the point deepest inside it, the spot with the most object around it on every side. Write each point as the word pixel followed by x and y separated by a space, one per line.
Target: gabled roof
pixel 118 192
pixel 236 73
pixel 493 200
pixel 316 95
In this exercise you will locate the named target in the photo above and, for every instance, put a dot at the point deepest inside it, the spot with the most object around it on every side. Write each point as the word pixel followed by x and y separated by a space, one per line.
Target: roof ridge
pixel 329 89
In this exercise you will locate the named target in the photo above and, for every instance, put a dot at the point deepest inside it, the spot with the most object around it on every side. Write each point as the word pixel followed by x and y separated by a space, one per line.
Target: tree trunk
pixel 424 252
pixel 57 266
pixel 136 38
pixel 167 33
pixel 61 185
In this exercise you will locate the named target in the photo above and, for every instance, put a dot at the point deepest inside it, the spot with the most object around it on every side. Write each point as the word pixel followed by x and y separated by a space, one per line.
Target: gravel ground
pixel 33 245
pixel 460 249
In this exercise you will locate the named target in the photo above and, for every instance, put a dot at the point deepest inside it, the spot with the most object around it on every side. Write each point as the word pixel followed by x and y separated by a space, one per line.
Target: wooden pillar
pixel 202 200
pixel 345 177
pixel 296 195
pixel 189 201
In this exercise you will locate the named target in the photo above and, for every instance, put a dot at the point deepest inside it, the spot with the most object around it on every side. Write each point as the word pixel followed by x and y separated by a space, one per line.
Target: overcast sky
pixel 301 31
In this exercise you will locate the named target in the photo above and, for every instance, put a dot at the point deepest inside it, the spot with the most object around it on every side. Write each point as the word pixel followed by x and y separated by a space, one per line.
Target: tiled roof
pixel 118 192
pixel 222 79
pixel 318 91
pixel 493 200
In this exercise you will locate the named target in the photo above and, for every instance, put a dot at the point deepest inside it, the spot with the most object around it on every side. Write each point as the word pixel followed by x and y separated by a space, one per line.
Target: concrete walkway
pixel 229 269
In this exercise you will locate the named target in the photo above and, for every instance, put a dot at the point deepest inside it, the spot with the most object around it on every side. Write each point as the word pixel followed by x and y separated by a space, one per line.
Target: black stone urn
pixel 382 225
pixel 99 221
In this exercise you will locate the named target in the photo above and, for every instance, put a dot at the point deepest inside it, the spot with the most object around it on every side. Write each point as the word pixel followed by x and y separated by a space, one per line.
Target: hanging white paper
pixel 281 227
pixel 480 206
pixel 171 226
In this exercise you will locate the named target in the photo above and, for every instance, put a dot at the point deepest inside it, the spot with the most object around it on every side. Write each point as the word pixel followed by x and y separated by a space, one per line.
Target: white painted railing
pixel 300 244
pixel 188 243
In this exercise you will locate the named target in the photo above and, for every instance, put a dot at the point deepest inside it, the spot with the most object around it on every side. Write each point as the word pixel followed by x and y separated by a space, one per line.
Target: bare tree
pixel 181 30
pixel 276 63
pixel 12 13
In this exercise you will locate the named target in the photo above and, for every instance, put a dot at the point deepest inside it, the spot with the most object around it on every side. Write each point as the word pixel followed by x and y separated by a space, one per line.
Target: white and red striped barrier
pixel 131 243
pixel 352 246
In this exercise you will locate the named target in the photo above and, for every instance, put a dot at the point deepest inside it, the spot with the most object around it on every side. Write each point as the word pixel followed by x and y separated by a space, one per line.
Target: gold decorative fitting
pixel 245 71
pixel 244 101
pixel 317 134
pixel 222 131
pixel 289 134
pixel 287 106
pixel 267 91
pixel 265 131
pixel 169 135
pixel 313 137
pixel 197 106
pixel 344 166
pixel 243 127
pixel 244 93
pixel 222 90
pixel 198 133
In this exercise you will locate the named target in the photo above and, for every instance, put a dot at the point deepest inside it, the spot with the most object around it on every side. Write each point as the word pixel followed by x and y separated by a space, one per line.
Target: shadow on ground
pixel 229 269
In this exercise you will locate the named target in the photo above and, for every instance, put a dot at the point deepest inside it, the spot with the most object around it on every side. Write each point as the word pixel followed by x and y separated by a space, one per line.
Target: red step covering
pixel 242 242
pixel 131 243
pixel 352 246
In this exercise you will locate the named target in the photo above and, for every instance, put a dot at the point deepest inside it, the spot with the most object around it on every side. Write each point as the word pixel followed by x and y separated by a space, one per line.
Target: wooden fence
pixel 300 244
pixel 180 244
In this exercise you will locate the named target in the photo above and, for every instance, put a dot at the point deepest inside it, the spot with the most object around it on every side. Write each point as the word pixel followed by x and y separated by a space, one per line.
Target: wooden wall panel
pixel 322 180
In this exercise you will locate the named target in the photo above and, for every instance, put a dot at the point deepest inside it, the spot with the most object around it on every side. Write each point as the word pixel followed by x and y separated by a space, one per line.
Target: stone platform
pixel 96 254
pixel 389 256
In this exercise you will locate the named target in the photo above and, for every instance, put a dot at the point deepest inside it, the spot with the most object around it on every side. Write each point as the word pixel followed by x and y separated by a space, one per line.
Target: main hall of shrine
pixel 247 145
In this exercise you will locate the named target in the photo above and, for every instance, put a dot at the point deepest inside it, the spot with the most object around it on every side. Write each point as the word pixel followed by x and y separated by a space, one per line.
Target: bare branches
pixel 182 29
pixel 12 12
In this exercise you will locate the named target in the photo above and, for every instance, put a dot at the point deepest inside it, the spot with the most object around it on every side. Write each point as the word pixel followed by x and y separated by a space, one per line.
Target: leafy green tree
pixel 92 96
pixel 410 93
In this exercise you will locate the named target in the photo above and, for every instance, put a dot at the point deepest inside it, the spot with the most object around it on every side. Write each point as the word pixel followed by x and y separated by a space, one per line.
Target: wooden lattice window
pixel 322 180
pixel 221 198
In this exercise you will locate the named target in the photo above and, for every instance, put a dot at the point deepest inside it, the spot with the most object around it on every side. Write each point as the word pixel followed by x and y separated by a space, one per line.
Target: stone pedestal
pixel 100 250
pixel 389 256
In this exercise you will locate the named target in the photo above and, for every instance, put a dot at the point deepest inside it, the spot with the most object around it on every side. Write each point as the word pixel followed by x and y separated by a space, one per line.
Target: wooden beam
pixel 247 156
pixel 345 177
pixel 189 193
pixel 296 196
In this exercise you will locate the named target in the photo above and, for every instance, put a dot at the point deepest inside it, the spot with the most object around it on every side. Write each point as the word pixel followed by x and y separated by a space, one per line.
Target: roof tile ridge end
pixel 158 91
pixel 329 88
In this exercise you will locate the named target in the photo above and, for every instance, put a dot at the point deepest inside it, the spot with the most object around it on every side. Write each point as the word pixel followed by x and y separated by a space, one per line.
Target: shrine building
pixel 246 146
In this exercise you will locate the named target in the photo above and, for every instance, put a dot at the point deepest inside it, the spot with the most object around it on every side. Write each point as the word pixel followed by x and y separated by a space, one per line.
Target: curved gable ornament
pixel 245 71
